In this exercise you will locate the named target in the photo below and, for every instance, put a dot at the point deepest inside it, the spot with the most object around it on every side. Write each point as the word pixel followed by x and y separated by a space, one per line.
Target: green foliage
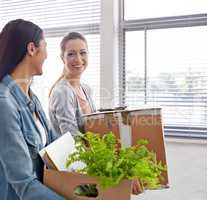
pixel 110 164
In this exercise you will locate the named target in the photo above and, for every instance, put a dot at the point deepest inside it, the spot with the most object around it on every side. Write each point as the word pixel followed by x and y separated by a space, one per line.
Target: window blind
pixel 52 13
pixel 175 77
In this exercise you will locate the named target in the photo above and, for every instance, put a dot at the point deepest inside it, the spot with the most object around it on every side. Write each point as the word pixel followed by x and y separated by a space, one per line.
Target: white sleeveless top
pixel 42 131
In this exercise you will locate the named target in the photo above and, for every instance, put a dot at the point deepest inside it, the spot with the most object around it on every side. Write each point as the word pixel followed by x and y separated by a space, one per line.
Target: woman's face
pixel 75 57
pixel 39 57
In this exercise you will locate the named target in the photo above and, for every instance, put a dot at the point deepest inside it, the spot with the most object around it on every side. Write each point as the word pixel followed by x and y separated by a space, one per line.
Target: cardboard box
pixel 64 182
pixel 131 125
pixel 128 126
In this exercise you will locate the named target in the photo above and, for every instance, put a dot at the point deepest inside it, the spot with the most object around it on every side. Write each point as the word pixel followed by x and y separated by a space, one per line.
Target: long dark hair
pixel 14 39
pixel 69 36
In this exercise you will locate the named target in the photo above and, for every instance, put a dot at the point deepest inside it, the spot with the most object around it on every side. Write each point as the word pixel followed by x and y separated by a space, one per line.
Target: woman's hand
pixel 136 188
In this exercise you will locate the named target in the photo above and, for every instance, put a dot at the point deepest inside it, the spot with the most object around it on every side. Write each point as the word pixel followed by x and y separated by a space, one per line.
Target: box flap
pixel 55 154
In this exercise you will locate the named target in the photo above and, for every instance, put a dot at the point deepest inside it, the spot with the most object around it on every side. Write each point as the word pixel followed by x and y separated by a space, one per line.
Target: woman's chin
pixel 38 73
pixel 78 72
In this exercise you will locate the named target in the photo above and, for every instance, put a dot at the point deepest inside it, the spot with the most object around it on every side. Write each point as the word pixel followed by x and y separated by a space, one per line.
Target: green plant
pixel 110 164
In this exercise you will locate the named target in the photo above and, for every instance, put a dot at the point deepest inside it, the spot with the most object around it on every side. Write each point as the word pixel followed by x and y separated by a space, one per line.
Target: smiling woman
pixel 69 98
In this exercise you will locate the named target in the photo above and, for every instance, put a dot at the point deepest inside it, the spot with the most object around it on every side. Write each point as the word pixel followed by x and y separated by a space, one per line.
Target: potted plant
pixel 114 167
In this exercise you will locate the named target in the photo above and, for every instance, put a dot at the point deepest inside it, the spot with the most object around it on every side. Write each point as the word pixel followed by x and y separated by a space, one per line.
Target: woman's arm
pixel 62 110
pixel 15 158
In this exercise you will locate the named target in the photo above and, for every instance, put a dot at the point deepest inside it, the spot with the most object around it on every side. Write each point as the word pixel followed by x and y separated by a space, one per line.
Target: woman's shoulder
pixel 3 91
pixel 62 92
pixel 62 87
pixel 7 101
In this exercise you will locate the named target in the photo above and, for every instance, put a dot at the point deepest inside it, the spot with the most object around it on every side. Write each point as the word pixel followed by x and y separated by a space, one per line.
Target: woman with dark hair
pixel 24 128
pixel 69 97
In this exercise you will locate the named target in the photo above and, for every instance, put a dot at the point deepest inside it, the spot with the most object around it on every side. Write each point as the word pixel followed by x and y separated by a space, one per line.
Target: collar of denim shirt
pixel 15 90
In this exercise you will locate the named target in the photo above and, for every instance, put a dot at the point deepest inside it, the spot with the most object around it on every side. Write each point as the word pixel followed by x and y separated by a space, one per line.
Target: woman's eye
pixel 70 54
pixel 83 53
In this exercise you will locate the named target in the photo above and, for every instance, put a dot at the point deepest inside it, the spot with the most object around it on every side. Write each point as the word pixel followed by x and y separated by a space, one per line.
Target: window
pixel 57 18
pixel 135 92
pixel 165 65
pixel 162 8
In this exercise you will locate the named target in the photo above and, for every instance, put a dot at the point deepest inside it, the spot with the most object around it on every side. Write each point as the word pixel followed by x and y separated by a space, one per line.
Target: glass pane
pixel 134 62
pixel 162 8
pixel 53 67
pixel 177 74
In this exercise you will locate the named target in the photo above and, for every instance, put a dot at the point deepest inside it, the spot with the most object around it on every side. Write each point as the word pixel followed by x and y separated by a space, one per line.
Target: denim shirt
pixel 21 168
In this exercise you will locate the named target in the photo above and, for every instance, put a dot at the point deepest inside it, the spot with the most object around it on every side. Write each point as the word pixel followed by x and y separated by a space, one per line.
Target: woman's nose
pixel 79 58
